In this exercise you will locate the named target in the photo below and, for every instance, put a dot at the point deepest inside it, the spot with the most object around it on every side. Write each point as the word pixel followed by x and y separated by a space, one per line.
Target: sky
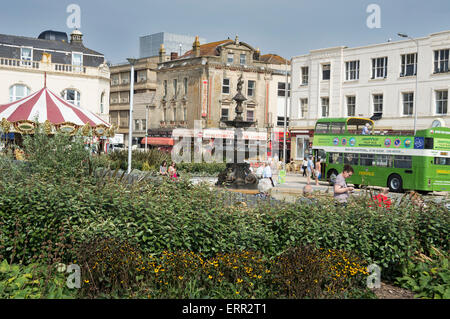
pixel 284 27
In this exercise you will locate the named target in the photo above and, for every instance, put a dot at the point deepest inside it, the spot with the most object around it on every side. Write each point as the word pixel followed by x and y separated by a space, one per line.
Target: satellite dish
pixel 438 123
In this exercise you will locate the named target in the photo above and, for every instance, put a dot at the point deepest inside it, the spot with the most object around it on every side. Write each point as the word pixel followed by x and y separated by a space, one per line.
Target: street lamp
pixel 403 35
pixel 130 128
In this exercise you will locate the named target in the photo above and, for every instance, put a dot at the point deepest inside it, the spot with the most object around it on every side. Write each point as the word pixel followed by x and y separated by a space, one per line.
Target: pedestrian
pixel 317 171
pixel 163 168
pixel 173 171
pixel 365 130
pixel 260 171
pixel 304 164
pixel 341 190
pixel 267 173
pixel 309 169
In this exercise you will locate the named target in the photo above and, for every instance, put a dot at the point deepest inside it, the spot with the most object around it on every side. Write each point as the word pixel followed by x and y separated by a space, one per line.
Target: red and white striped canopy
pixel 46 105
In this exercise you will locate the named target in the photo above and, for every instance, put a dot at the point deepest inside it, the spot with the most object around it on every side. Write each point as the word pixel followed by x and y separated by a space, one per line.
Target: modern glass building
pixel 149 45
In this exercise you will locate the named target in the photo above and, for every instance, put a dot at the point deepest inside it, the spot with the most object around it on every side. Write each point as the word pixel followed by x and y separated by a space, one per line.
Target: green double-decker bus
pixel 420 162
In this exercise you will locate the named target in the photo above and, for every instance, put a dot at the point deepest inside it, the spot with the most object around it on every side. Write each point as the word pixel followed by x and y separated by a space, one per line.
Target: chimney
pixel 196 47
pixel 162 53
pixel 173 55
pixel 76 37
pixel 256 55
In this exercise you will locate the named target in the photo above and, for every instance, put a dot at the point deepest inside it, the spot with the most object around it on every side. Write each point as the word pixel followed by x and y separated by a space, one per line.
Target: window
pixel 175 114
pixel 144 125
pixel 305 75
pixel 165 115
pixel 123 117
pixel 72 96
pixel 351 159
pixel 409 64
pixel 17 92
pixel 384 161
pixel 242 58
pixel 185 113
pixel 25 56
pixel 250 115
pixel 408 103
pixel 325 106
pixel 378 103
pixel 251 88
pixel 352 70
pixel 351 105
pixel 402 161
pixel 77 61
pixel 441 61
pixel 115 79
pixel 335 158
pixel 322 128
pixel 379 68
pixel 226 86
pixel 280 121
pixel 165 88
pixel 326 71
pixel 175 86
pixel 442 161
pixel 102 99
pixel 224 114
pixel 141 76
pixel 337 128
pixel 136 125
pixel 303 108
pixel 367 159
pixel 125 78
pixel 185 80
pixel 282 89
pixel 441 102
pixel 230 58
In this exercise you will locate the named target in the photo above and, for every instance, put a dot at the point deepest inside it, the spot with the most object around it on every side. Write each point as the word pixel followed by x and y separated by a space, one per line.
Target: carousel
pixel 57 115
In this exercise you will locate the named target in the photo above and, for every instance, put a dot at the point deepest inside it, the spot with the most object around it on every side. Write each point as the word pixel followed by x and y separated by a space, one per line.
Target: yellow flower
pixel 210 277
pixel 180 277
pixel 237 292
pixel 239 280
pixel 86 281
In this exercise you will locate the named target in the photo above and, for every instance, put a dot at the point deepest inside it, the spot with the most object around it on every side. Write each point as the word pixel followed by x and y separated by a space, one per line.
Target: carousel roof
pixel 46 105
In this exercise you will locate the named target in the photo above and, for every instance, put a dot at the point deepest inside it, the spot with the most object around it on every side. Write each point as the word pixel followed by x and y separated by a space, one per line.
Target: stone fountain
pixel 238 175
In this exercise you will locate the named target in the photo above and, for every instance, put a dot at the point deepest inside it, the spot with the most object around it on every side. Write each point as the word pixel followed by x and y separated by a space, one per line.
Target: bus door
pixel 323 161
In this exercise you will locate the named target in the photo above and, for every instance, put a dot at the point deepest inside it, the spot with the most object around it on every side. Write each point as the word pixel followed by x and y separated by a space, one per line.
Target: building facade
pixel 201 84
pixel 149 45
pixel 143 99
pixel 376 81
pixel 80 75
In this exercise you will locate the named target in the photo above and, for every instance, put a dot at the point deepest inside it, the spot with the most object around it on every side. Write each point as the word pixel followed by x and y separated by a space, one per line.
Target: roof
pixel 349 120
pixel 45 44
pixel 207 49
pixel 273 59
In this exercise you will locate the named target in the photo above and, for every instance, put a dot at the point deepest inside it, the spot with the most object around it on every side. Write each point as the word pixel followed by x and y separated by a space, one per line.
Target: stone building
pixel 79 74
pixel 201 84
pixel 143 99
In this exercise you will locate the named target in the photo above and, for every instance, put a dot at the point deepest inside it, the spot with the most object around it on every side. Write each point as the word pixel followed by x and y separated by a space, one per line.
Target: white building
pixel 376 81
pixel 80 75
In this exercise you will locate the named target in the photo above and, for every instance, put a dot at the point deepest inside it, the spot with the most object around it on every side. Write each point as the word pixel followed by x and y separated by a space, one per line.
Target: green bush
pixel 428 277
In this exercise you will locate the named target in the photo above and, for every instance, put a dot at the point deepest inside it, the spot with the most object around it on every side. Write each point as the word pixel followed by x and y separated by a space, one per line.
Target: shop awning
pixel 157 141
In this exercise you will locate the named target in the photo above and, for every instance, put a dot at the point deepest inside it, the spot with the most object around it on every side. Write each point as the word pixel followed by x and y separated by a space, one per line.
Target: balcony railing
pixel 52 67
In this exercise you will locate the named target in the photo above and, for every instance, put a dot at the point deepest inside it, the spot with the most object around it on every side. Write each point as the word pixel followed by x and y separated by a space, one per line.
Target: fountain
pixel 238 175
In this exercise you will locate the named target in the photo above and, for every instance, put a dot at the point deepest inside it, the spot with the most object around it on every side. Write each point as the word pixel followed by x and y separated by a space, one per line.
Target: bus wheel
pixel 332 174
pixel 395 183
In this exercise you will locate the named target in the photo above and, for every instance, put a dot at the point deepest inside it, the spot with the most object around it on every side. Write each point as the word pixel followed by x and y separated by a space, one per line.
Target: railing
pixel 52 67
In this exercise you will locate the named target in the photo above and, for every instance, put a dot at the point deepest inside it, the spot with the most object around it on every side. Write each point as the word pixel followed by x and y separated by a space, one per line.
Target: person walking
pixel 304 164
pixel 267 173
pixel 341 190
pixel 317 171
pixel 309 169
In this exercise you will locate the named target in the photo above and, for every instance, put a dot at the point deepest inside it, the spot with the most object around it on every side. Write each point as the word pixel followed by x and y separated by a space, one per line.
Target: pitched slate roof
pixel 45 44
pixel 273 59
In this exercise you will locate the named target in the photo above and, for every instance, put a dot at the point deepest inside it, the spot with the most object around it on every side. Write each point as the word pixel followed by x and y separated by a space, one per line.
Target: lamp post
pixel 146 126
pixel 417 76
pixel 285 117
pixel 130 128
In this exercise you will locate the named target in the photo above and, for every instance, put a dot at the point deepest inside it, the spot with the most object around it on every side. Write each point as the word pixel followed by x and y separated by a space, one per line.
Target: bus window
pixel 428 143
pixel 338 128
pixel 322 128
pixel 335 158
pixel 351 159
pixel 442 160
pixel 402 161
pixel 384 161
pixel 367 159
pixel 322 154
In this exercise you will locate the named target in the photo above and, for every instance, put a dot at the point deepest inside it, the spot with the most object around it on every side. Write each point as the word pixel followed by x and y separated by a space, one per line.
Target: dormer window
pixel 230 58
pixel 77 61
pixel 25 56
